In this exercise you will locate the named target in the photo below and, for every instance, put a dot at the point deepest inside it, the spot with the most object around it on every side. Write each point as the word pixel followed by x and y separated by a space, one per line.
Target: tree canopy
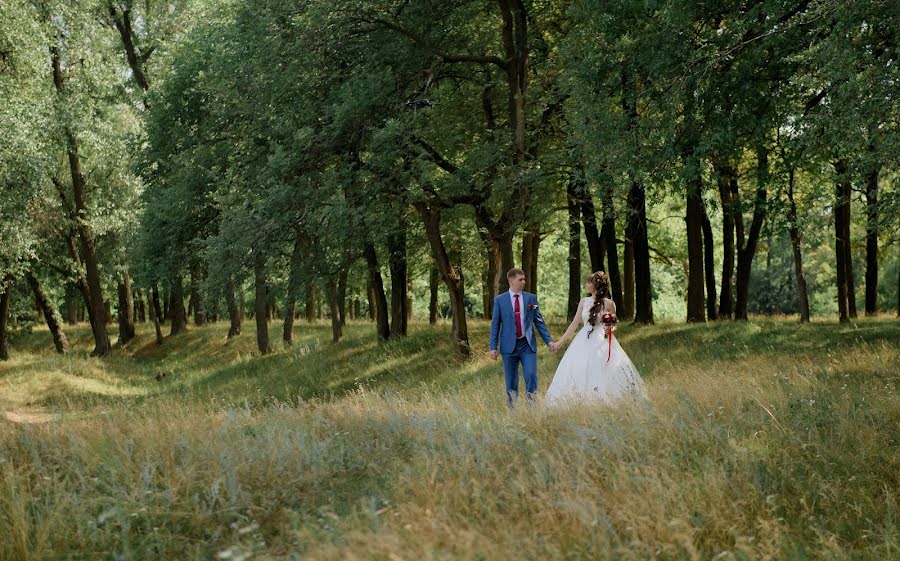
pixel 367 156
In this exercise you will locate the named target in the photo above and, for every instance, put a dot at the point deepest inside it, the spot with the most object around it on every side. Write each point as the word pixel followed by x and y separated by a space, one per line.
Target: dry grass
pixel 763 441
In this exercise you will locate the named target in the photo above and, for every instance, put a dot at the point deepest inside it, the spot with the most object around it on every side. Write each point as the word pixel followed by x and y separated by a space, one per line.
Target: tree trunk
pixel 71 309
pixel 708 262
pixel 341 296
pixel 156 313
pixel 433 278
pixel 636 230
pixel 310 310
pixel 5 297
pixel 727 183
pixel 331 291
pixel 95 304
pixel 608 237
pixel 81 281
pixel 627 280
pixel 46 307
pixel 746 249
pixel 136 60
pixel 452 276
pixel 141 307
pixel 166 302
pixel 396 244
pixel 499 239
pixel 596 246
pixel 234 315
pixel 370 298
pixel 515 44
pixel 488 280
pixel 126 309
pixel 796 245
pixel 293 287
pixel 177 313
pixel 514 34
pixel 259 303
pixel 382 327
pixel 574 207
pixel 85 235
pixel 872 242
pixel 693 221
pixel 504 248
pixel 841 213
pixel 629 109
pixel 196 296
pixel 693 224
pixel 848 260
pixel 531 242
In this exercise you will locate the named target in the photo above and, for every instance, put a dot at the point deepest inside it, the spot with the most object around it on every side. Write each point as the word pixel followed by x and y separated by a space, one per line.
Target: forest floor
pixel 763 439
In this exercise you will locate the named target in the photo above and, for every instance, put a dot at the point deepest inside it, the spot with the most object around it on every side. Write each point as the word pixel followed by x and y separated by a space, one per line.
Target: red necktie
pixel 518 318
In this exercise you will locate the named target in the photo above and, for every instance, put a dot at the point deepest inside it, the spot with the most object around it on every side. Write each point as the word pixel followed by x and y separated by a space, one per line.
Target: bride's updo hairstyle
pixel 601 284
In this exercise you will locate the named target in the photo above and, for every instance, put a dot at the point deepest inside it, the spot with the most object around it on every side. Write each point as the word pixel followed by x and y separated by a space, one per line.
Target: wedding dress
pixel 585 373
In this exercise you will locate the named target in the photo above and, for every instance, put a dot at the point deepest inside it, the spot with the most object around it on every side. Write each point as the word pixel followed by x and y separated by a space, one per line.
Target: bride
pixel 595 366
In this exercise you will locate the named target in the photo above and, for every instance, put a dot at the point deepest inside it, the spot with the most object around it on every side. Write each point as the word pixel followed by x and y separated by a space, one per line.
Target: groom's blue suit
pixel 515 350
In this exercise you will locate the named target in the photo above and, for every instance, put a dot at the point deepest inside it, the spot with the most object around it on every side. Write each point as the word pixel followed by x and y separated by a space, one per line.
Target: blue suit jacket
pixel 503 323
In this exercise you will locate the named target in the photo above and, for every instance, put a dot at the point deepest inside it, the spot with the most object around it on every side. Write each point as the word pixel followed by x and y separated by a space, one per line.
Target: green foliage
pixel 218 131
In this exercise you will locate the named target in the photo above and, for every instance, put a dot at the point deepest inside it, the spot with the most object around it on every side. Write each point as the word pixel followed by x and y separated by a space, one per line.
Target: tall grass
pixel 761 441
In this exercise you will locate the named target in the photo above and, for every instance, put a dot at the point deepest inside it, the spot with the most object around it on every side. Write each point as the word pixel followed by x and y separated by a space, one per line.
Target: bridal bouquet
pixel 609 324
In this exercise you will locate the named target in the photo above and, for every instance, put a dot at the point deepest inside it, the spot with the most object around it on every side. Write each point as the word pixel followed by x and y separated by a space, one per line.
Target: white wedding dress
pixel 584 373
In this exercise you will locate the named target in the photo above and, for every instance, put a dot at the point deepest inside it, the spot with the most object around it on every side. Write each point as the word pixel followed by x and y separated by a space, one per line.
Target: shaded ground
pixel 37 384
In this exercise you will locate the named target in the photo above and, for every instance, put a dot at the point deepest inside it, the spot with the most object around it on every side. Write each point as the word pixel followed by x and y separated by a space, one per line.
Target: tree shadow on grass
pixel 202 363
pixel 736 340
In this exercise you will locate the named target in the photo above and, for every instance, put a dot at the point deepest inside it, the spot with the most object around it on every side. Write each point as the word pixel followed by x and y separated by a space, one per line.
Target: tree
pixel 49 312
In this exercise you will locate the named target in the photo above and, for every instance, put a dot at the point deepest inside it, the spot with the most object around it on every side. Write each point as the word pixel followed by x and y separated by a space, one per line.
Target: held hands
pixel 554 346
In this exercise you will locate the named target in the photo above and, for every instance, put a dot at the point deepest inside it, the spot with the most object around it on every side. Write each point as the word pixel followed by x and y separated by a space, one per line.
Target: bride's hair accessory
pixel 601 284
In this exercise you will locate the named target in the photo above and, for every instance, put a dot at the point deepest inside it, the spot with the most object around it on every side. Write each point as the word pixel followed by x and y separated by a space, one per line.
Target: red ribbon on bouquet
pixel 609 322
pixel 609 332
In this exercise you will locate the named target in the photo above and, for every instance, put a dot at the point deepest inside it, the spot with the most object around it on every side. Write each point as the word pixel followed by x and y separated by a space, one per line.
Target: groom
pixel 515 315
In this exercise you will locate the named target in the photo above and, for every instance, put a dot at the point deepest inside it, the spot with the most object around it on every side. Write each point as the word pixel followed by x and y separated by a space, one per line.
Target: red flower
pixel 609 323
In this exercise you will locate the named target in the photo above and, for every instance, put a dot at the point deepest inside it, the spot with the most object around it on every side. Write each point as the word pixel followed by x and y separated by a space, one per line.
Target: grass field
pixel 764 440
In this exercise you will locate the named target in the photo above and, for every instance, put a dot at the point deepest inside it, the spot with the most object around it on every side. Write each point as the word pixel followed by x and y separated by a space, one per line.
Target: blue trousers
pixel 523 354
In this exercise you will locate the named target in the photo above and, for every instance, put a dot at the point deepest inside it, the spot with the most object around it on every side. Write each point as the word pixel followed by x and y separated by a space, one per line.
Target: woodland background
pixel 183 160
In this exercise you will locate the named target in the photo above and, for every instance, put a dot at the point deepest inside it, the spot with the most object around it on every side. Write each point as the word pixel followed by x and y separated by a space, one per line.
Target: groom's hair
pixel 514 272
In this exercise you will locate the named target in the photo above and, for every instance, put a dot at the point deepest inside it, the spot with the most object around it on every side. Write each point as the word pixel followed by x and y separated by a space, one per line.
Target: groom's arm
pixel 495 324
pixel 542 325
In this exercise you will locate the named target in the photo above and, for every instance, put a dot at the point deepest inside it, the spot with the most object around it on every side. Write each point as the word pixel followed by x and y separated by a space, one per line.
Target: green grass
pixel 764 439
